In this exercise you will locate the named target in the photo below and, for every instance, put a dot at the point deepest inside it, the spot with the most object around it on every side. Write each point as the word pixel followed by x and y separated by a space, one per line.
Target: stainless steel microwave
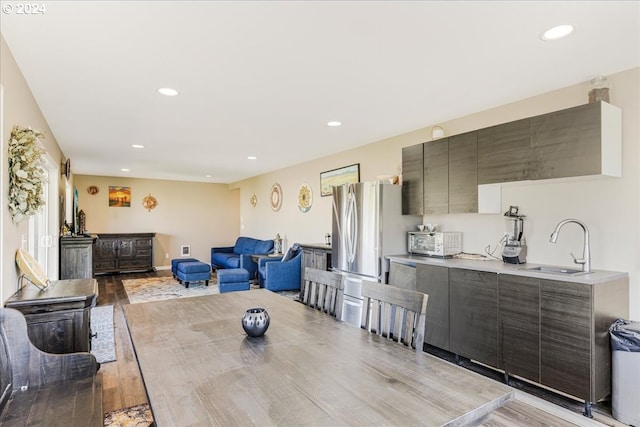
pixel 439 243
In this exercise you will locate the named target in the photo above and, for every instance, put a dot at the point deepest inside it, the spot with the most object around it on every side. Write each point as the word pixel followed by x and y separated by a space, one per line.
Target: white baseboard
pixel 164 267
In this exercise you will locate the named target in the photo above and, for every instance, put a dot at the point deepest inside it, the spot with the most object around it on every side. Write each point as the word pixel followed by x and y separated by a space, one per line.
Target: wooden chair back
pixel 323 290
pixel 395 313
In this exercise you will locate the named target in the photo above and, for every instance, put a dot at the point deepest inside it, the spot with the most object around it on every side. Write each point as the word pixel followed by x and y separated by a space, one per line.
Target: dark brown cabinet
pixel 434 281
pixel 463 173
pixel 519 326
pixel 58 318
pixel 580 141
pixel 113 253
pixel 315 256
pixel 76 259
pixel 412 180
pixel 503 152
pixel 473 315
pixel 566 338
pixel 436 177
pixel 551 332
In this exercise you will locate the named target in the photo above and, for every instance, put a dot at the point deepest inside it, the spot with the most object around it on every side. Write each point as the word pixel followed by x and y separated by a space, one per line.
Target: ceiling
pixel 262 78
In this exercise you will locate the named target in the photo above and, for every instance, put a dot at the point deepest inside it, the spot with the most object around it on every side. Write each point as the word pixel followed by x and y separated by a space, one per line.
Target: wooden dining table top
pixel 201 369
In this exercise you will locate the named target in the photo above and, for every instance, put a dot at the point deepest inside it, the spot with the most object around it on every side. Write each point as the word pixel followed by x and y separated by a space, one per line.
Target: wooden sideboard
pixel 118 253
pixel 58 318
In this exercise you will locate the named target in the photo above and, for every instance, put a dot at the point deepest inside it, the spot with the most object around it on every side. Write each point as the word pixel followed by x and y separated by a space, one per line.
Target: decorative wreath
pixel 26 174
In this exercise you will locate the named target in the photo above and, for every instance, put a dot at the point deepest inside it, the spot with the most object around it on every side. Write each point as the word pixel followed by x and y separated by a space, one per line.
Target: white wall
pixel 609 206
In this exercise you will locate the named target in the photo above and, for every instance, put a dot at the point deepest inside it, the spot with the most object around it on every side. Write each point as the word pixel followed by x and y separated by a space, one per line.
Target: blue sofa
pixel 280 274
pixel 239 255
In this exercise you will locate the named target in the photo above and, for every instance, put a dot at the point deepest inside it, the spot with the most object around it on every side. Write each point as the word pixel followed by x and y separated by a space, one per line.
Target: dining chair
pixel 323 290
pixel 395 313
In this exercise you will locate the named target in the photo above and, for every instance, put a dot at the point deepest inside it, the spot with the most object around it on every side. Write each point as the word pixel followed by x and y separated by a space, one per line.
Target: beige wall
pixel 609 206
pixel 18 108
pixel 200 215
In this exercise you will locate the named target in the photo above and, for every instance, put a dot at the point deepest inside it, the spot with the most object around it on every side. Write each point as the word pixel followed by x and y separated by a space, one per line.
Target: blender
pixel 515 248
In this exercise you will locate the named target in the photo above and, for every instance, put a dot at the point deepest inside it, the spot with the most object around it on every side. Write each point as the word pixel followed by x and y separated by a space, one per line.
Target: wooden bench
pixel 44 389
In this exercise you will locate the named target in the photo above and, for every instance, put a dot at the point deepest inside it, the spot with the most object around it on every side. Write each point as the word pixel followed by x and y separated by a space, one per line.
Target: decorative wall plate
pixel 253 200
pixel 92 189
pixel 305 198
pixel 276 197
pixel 31 269
pixel 149 202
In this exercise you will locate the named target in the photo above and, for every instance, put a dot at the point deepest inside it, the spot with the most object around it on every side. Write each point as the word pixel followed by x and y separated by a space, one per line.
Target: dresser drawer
pixel 142 243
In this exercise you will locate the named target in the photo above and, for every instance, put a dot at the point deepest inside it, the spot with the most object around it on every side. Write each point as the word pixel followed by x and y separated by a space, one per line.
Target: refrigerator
pixel 367 226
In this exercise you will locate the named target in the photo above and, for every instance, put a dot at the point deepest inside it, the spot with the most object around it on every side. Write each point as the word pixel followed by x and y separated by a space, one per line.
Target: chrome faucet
pixel 585 261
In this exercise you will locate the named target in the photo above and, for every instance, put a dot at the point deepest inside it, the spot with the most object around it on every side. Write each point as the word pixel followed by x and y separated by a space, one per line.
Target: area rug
pixel 134 416
pixel 102 342
pixel 163 288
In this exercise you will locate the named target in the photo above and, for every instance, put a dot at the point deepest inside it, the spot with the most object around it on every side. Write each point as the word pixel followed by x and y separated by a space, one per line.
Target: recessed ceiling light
pixel 207 176
pixel 334 123
pixel 252 157
pixel 557 32
pixel 137 146
pixel 167 91
pixel 125 170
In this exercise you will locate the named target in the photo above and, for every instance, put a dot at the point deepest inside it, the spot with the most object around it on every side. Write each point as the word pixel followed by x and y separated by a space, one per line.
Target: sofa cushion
pixel 291 252
pixel 245 245
pixel 226 259
pixel 264 247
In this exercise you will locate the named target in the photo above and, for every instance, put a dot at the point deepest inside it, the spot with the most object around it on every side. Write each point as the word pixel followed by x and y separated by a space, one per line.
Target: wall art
pixel 276 197
pixel 305 198
pixel 345 175
pixel 119 196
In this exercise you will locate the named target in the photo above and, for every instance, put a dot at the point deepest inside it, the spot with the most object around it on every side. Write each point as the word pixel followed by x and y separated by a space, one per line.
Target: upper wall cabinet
pixel 463 173
pixel 412 180
pixel 503 152
pixel 579 141
pixel 436 177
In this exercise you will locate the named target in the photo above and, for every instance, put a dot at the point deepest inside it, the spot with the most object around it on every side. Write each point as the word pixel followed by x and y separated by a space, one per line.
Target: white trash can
pixel 625 371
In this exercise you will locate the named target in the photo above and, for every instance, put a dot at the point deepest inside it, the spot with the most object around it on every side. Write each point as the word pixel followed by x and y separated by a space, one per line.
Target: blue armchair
pixel 275 274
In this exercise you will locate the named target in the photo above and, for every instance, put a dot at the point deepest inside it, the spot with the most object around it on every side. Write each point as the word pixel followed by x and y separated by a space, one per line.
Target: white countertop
pixel 495 266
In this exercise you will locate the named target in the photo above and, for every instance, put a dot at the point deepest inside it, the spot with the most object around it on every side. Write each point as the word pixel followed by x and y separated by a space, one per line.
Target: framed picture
pixel 345 175
pixel 119 196
pixel 185 250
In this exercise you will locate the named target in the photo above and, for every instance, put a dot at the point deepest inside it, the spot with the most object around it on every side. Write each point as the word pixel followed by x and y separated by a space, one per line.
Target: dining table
pixel 200 368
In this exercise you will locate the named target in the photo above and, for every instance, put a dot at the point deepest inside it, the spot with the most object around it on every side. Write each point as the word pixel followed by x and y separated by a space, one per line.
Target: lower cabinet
pixel 473 315
pixel 551 332
pixel 519 326
pixel 315 256
pixel 434 281
pixel 566 328
pixel 115 253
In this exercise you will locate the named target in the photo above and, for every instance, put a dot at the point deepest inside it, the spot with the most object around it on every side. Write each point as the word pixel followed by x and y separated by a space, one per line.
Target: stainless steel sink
pixel 556 270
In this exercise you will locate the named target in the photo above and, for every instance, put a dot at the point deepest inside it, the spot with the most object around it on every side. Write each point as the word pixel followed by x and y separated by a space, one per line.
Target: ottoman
pixel 175 262
pixel 233 279
pixel 193 271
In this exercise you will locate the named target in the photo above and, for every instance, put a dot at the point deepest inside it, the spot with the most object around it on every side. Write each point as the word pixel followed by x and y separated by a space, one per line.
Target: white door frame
pixel 43 226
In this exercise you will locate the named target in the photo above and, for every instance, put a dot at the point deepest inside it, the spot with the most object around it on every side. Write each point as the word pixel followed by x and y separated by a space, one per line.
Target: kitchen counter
pixel 322 246
pixel 495 266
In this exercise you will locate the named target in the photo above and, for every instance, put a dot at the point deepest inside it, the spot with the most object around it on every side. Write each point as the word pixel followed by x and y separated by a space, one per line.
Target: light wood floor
pixel 123 386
